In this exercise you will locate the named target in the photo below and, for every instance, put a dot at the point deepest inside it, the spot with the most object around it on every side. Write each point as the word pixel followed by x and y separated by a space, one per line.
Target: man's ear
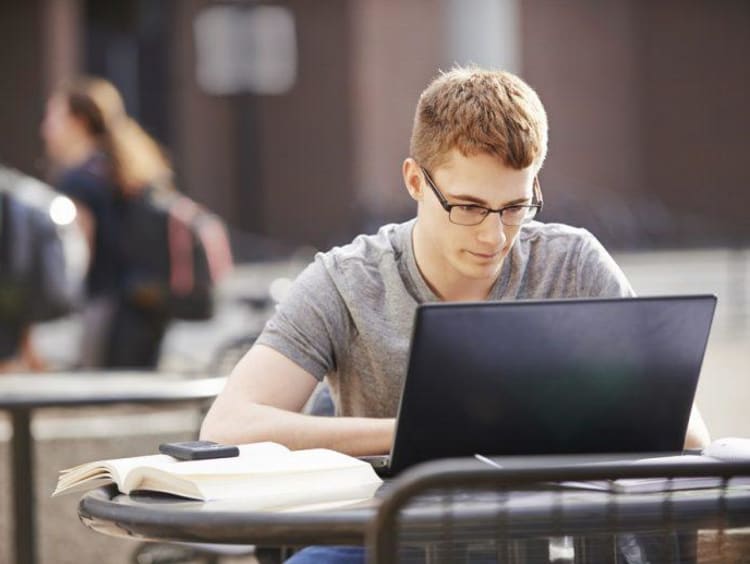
pixel 413 178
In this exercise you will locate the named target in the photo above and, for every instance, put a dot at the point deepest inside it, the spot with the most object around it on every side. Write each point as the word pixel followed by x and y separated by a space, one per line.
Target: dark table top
pixel 154 516
pixel 530 513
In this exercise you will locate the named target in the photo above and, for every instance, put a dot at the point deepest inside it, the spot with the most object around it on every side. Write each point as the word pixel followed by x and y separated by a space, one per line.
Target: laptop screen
pixel 551 377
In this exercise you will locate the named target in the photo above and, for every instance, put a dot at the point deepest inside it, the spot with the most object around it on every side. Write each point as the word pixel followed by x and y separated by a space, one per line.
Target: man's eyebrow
pixel 480 202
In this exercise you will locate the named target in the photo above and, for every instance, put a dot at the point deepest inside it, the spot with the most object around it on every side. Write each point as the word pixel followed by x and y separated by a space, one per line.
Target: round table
pixel 527 513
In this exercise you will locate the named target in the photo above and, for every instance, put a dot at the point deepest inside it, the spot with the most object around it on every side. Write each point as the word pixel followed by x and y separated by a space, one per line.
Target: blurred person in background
pixel 43 260
pixel 101 157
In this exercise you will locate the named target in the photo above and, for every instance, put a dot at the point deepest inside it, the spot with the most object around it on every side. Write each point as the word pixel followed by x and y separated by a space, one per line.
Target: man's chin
pixel 488 271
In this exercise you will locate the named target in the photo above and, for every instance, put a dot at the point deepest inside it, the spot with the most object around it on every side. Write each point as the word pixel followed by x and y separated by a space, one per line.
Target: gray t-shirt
pixel 349 315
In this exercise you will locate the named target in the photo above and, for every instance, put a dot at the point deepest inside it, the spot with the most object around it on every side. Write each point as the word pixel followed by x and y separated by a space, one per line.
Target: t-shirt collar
pixel 416 283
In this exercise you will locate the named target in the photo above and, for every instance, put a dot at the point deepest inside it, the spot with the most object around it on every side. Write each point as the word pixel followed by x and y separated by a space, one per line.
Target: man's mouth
pixel 486 256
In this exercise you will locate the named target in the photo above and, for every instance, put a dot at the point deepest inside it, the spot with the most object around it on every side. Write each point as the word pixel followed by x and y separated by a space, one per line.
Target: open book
pixel 264 476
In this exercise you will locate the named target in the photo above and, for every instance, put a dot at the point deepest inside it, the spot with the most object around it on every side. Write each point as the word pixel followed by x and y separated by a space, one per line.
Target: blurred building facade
pixel 291 118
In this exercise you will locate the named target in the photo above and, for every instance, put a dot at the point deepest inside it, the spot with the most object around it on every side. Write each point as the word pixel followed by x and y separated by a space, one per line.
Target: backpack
pixel 42 260
pixel 174 253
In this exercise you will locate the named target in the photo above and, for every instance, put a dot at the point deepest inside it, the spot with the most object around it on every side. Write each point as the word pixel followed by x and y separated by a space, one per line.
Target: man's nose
pixel 492 230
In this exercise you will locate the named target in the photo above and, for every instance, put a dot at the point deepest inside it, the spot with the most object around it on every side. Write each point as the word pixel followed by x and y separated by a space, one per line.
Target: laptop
pixel 553 377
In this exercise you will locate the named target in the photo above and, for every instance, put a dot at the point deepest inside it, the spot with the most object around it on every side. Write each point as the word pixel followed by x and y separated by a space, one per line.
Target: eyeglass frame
pixel 448 206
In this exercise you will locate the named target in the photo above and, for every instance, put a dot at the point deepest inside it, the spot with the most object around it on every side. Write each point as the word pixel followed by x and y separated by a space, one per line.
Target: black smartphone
pixel 198 450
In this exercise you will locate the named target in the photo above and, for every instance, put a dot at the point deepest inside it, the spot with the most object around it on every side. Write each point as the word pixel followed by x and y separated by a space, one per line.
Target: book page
pixel 305 487
pixel 253 458
pixel 102 472
pixel 289 479
pixel 117 470
pixel 264 475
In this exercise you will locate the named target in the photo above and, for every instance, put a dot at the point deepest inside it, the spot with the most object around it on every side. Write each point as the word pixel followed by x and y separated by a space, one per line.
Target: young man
pixel 478 143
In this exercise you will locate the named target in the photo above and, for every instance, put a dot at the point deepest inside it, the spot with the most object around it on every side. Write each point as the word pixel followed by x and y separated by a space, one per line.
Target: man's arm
pixel 697 436
pixel 261 402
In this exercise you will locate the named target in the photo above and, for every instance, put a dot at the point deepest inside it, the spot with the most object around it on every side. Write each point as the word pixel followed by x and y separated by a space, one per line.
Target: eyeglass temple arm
pixel 538 193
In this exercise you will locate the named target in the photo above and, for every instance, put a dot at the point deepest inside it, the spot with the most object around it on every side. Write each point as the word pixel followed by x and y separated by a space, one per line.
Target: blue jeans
pixel 353 555
pixel 634 549
pixel 329 554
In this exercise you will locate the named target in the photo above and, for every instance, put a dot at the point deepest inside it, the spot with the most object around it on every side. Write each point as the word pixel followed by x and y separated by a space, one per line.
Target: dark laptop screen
pixel 551 377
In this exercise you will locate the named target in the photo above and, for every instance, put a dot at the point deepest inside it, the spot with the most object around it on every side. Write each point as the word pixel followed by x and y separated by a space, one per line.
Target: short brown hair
pixel 479 111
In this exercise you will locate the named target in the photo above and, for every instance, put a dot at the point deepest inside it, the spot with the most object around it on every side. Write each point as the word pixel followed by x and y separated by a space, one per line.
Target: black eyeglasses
pixel 474 214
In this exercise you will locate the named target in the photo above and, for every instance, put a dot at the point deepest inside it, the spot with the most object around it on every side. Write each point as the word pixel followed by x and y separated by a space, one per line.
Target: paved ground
pixel 66 438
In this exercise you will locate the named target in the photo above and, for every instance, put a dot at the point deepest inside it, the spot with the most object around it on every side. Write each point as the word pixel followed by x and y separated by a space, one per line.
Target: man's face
pixel 459 253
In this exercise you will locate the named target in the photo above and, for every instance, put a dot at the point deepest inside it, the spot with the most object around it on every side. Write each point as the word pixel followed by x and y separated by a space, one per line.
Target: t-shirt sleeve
pixel 598 275
pixel 311 323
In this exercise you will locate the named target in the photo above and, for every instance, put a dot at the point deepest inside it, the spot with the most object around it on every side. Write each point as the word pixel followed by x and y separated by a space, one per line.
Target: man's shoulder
pixel 550 240
pixel 369 250
pixel 538 232
pixel 566 261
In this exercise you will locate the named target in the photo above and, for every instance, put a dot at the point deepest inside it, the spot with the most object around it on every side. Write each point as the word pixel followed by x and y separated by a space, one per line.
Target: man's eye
pixel 474 210
pixel 515 210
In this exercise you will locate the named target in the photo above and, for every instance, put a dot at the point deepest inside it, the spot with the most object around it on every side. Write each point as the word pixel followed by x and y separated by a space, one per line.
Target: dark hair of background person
pixel 136 159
